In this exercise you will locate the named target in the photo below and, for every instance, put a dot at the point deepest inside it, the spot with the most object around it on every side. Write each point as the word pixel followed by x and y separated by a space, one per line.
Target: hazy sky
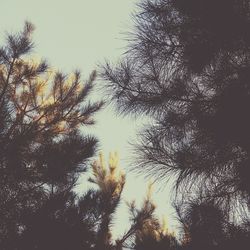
pixel 79 34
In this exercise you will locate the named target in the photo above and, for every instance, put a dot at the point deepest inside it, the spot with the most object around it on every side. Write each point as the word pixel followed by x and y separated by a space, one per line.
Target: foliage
pixel 206 226
pixel 144 227
pixel 43 151
pixel 187 68
pixel 42 148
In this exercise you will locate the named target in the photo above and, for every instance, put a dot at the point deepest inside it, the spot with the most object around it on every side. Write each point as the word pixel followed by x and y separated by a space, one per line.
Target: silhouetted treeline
pixel 188 69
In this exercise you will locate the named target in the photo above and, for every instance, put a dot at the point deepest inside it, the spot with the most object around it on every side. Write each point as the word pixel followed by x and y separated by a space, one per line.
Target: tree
pixel 154 235
pixel 146 230
pixel 42 148
pixel 66 221
pixel 206 226
pixel 144 227
pixel 60 223
pixel 70 222
pixel 187 68
pixel 110 181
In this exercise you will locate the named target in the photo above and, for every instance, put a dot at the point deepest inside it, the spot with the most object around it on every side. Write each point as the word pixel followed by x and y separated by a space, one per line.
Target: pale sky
pixel 80 34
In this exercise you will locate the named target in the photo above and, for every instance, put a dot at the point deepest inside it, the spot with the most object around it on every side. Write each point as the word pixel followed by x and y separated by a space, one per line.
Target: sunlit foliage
pixel 144 228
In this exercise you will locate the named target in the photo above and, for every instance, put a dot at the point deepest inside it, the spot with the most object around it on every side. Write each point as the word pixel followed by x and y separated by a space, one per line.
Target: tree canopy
pixel 187 68
pixel 42 148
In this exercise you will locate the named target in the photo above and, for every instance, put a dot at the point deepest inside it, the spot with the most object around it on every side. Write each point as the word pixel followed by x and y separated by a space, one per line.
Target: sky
pixel 81 34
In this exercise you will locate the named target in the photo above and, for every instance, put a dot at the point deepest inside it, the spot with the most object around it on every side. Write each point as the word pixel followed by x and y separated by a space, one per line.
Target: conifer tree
pixel 154 234
pixel 206 226
pixel 42 148
pixel 69 222
pixel 187 69
pixel 110 181
pixel 101 205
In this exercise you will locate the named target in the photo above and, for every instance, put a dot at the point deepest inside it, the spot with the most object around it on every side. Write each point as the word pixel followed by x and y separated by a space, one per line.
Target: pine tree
pixel 187 69
pixel 110 181
pixel 42 148
pixel 153 234
pixel 146 231
pixel 100 205
pixel 206 226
